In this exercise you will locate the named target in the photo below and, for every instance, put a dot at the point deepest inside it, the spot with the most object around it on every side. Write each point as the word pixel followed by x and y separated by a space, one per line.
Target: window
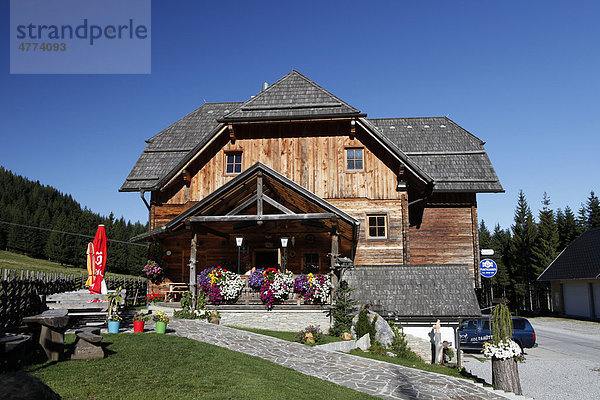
pixel 311 263
pixel 354 159
pixel 233 163
pixel 377 226
pixel 468 325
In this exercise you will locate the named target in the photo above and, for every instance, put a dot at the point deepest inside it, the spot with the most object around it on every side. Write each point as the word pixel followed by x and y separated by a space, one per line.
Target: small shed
pixel 575 277
pixel 416 296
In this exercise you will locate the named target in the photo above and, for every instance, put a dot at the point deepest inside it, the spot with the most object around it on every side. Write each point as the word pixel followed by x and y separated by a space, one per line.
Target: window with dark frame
pixel 233 162
pixel 377 226
pixel 355 159
pixel 311 263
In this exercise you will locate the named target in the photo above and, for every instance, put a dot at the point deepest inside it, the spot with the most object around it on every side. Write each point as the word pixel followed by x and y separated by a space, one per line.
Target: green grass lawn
pixel 9 260
pixel 289 336
pixel 152 366
pixel 417 364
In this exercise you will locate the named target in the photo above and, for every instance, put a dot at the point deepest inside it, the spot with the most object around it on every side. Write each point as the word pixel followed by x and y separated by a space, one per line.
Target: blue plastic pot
pixel 113 326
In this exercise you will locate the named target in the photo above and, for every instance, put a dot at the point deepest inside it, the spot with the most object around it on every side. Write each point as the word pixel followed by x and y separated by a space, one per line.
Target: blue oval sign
pixel 488 268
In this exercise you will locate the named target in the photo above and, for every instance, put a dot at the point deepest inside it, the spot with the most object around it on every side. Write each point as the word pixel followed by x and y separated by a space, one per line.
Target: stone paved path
pixel 377 378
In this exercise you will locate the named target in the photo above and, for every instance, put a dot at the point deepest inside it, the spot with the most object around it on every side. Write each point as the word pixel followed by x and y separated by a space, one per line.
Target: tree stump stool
pixel 52 334
pixel 13 350
pixel 88 345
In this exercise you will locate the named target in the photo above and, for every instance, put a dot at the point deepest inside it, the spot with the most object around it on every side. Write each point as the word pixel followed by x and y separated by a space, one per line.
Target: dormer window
pixel 233 162
pixel 355 159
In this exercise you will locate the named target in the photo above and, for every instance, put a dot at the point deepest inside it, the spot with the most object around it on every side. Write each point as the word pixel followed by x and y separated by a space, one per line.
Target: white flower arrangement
pixel 232 286
pixel 322 290
pixel 282 285
pixel 506 349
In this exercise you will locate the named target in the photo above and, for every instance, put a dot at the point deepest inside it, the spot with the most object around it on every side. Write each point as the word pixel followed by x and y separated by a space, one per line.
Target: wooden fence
pixel 22 292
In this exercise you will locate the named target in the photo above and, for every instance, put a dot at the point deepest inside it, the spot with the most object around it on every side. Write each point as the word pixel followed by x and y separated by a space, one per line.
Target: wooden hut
pixel 295 161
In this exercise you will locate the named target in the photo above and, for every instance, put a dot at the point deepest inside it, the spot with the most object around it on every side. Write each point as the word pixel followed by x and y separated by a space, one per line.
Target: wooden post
pixel 334 249
pixel 193 279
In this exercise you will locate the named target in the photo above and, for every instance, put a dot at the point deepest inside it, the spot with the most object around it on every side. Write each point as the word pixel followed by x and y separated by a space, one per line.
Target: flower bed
pixel 314 288
pixel 220 285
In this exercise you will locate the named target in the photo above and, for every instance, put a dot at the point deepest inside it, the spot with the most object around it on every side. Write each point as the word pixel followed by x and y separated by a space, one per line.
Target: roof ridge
pixel 389 118
pixel 315 84
pixel 265 92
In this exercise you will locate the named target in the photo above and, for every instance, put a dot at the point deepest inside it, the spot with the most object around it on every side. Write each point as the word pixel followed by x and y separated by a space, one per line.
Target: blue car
pixel 475 332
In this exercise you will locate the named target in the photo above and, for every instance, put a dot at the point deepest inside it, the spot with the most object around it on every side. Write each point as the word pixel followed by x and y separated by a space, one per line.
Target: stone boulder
pixel 384 333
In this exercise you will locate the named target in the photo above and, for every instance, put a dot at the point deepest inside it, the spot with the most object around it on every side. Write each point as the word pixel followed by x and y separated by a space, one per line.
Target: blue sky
pixel 522 76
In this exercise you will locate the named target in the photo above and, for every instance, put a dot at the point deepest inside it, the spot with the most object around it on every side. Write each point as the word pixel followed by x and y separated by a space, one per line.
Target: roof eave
pixel 289 118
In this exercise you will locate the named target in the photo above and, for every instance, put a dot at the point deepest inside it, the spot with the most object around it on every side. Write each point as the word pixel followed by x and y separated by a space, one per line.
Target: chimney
pixel 265 85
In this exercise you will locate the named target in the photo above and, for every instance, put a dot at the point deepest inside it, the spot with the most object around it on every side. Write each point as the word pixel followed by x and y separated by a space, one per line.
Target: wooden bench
pixel 52 334
pixel 176 289
pixel 88 345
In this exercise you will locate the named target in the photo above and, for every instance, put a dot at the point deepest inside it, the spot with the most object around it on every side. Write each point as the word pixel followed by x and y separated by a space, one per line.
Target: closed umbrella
pixel 90 265
pixel 99 243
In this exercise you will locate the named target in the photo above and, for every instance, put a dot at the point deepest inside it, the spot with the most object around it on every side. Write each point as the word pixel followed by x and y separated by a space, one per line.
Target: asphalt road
pixel 566 363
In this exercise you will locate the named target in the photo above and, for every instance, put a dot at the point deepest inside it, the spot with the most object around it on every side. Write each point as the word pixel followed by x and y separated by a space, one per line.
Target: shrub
pixel 184 314
pixel 343 306
pixel 318 336
pixel 399 346
pixel 364 326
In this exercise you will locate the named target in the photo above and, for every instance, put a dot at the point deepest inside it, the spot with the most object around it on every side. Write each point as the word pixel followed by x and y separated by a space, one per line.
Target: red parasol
pixel 99 243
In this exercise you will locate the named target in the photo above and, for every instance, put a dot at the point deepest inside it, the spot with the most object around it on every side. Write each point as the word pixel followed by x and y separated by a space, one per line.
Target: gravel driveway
pixel 566 363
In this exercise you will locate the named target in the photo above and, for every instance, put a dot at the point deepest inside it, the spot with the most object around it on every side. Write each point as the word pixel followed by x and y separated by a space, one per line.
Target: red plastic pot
pixel 138 326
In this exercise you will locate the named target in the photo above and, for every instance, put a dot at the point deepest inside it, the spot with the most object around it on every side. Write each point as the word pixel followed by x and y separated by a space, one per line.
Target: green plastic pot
pixel 161 327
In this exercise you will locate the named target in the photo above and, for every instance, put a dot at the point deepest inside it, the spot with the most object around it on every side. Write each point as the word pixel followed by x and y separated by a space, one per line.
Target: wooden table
pixel 52 335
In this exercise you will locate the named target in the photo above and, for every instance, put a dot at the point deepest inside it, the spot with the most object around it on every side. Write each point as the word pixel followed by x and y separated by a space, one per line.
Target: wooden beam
pixel 352 129
pixel 193 279
pixel 277 205
pixel 231 133
pixel 206 229
pixel 264 217
pixel 259 193
pixel 334 250
pixel 242 206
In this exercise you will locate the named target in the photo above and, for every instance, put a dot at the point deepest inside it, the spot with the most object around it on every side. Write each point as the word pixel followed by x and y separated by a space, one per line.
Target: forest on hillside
pixel 27 203
pixel 524 251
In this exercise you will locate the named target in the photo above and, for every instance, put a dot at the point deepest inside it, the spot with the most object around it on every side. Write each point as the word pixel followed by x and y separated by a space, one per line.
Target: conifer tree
pixel 593 211
pixel 568 229
pixel 544 250
pixel 521 256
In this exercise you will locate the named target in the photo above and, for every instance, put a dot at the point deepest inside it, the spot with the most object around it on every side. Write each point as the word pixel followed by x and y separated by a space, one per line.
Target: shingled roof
pixel 415 291
pixel 580 260
pixel 293 96
pixel 436 148
pixel 165 150
pixel 453 157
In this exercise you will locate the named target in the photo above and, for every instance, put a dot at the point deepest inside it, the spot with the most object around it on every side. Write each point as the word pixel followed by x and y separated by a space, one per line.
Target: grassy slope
pixel 9 260
pixel 289 336
pixel 440 369
pixel 152 366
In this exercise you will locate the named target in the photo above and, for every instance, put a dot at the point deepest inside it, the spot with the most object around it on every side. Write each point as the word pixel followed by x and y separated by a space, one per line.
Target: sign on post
pixel 488 268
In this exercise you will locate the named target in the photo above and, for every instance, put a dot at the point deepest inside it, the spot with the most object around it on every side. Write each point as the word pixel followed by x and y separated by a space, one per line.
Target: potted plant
pixel 114 299
pixel 138 321
pixel 161 319
pixel 503 351
pixel 114 322
pixel 215 317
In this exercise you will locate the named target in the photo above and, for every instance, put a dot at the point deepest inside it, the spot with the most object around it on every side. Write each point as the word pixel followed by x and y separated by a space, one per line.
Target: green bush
pixel 184 314
pixel 399 346
pixel 364 326
pixel 342 309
